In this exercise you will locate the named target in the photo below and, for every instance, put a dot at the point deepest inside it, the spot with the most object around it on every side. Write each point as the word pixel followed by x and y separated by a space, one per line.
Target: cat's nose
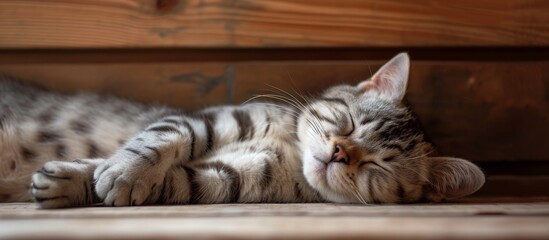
pixel 340 155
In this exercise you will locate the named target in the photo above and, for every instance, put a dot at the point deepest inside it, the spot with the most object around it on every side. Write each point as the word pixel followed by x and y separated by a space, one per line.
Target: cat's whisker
pixel 272 96
pixel 316 124
pixel 288 110
pixel 390 175
pixel 395 178
pixel 288 94
pixel 423 177
pixel 420 156
pixel 312 125
pixel 361 197
pixel 356 192
pixel 293 113
pixel 285 110
pixel 276 97
pixel 358 198
pixel 317 121
pixel 309 103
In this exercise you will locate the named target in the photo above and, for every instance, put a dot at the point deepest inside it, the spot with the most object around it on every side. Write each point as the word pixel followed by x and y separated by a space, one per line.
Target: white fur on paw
pixel 121 183
pixel 64 184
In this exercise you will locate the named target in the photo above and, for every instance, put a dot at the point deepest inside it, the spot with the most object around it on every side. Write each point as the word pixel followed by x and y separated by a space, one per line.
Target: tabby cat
pixel 351 144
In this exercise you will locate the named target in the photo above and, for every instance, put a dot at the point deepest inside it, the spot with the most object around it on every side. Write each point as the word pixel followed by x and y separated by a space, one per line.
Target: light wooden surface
pixel 264 23
pixel 526 220
pixel 483 111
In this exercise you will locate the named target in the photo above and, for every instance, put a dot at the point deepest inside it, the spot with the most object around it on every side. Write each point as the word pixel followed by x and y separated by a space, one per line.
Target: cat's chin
pixel 317 174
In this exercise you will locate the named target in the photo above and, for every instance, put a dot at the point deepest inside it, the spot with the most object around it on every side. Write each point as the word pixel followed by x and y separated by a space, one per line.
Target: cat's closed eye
pixel 366 163
pixel 350 128
pixel 366 120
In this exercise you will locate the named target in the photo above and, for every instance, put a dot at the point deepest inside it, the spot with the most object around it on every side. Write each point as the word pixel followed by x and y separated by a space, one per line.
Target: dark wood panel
pixel 180 55
pixel 516 168
pixel 514 186
pixel 263 23
pixel 483 111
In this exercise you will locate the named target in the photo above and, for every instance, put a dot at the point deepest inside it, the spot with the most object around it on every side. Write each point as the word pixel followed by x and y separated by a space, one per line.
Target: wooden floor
pixel 469 219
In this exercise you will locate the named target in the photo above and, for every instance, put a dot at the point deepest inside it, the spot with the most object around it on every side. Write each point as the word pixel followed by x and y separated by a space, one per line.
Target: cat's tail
pixel 16 189
pixel 15 174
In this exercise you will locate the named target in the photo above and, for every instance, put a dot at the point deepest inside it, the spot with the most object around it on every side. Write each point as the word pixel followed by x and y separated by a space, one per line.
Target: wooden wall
pixel 264 23
pixel 479 78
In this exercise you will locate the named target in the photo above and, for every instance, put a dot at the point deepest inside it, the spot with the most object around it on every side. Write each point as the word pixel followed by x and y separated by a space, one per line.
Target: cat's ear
pixel 389 82
pixel 453 178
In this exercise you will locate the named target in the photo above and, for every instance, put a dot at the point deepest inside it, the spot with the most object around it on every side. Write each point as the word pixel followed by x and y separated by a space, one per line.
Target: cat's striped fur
pixel 354 144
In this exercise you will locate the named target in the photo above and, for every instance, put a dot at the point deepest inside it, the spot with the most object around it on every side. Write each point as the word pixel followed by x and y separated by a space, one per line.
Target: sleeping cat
pixel 351 144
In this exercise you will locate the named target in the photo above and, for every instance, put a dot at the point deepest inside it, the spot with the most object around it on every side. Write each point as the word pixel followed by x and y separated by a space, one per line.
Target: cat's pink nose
pixel 340 155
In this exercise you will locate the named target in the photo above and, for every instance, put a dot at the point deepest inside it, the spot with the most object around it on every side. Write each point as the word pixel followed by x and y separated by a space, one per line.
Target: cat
pixel 352 144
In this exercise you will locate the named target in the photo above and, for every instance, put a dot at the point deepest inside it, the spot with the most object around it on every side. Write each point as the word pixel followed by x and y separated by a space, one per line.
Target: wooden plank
pixel 468 207
pixel 482 111
pixel 489 227
pixel 277 221
pixel 263 23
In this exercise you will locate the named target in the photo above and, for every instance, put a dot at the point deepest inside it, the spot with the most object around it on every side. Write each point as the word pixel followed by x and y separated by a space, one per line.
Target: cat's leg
pixel 136 172
pixel 240 172
pixel 65 184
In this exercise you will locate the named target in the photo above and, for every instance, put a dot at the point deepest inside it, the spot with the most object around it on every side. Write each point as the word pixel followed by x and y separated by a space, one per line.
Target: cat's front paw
pixel 123 183
pixel 65 184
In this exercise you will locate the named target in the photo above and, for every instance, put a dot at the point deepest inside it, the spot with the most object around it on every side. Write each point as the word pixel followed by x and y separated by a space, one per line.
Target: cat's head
pixel 361 144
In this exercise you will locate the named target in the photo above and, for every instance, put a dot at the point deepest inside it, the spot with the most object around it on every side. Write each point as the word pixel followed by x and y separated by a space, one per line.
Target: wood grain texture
pixel 484 220
pixel 466 207
pixel 481 111
pixel 263 23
